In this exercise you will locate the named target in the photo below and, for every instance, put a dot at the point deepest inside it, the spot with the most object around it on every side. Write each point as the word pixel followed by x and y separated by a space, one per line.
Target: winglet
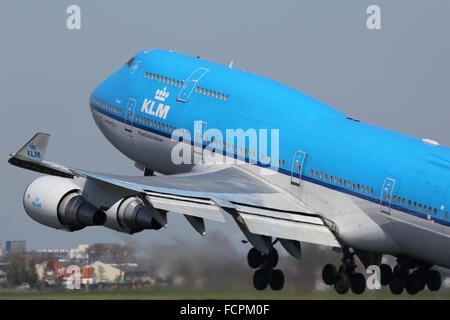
pixel 34 149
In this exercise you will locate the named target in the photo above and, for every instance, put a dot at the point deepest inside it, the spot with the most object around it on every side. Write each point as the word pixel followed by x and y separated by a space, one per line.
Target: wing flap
pixel 185 205
pixel 291 230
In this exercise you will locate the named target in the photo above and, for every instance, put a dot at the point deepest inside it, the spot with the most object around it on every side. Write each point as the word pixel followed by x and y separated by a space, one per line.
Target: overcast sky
pixel 396 77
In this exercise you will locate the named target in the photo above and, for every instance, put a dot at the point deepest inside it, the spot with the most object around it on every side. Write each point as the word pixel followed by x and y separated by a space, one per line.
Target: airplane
pixel 314 174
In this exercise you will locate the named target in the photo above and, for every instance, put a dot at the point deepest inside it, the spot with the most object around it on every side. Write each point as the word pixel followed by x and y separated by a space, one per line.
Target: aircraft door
pixel 190 84
pixel 129 115
pixel 297 167
pixel 386 195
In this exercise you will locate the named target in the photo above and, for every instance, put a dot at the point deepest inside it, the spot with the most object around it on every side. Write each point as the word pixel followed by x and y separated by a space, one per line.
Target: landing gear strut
pixel 345 278
pixel 265 274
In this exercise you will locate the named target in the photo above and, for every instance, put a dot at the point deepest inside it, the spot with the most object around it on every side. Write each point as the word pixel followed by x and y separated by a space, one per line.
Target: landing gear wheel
pixel 421 279
pixel 433 280
pixel 260 279
pixel 254 258
pixel 342 283
pixel 412 283
pixel 329 274
pixel 272 258
pixel 358 283
pixel 277 280
pixel 397 283
pixel 386 274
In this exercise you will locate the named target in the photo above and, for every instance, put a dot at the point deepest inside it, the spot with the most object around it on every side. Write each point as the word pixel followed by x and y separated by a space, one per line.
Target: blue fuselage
pixel 161 91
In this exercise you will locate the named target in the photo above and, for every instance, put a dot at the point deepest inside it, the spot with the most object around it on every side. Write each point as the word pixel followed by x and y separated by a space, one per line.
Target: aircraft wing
pixel 260 207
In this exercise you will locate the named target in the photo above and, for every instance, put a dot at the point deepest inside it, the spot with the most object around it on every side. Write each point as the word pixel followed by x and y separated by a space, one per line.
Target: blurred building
pixel 16 247
pixel 106 273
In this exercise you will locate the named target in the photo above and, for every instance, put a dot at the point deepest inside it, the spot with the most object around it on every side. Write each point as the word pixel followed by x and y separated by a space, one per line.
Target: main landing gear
pixel 410 276
pixel 344 278
pixel 265 274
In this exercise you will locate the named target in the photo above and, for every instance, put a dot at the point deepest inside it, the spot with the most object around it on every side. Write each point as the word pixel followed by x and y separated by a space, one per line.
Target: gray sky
pixel 396 77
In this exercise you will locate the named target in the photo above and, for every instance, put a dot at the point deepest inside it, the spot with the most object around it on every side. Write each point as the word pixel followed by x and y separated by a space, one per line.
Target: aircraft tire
pixel 254 258
pixel 412 284
pixel 342 283
pixel 386 274
pixel 272 258
pixel 277 280
pixel 433 279
pixel 329 273
pixel 260 279
pixel 397 284
pixel 358 283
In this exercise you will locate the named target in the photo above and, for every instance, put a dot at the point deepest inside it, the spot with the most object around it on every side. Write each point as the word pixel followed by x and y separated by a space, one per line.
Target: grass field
pixel 178 294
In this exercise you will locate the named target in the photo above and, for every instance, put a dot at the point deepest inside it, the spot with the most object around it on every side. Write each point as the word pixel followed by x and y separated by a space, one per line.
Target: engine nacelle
pixel 57 203
pixel 130 215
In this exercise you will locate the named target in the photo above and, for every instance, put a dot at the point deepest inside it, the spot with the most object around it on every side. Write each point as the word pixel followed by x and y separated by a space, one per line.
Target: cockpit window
pixel 130 62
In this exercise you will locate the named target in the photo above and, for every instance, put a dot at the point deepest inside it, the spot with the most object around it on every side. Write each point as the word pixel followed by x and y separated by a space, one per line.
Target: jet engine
pixel 57 203
pixel 130 215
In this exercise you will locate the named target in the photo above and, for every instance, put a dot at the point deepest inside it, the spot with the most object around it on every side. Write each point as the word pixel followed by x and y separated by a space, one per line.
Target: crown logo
pixel 162 95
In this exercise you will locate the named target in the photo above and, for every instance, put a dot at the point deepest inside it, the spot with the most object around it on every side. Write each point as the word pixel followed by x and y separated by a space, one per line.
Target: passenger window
pixel 311 173
pixel 446 215
pixel 435 211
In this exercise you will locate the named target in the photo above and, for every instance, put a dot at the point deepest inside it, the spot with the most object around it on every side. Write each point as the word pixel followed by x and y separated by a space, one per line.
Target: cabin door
pixel 386 195
pixel 297 167
pixel 129 114
pixel 190 83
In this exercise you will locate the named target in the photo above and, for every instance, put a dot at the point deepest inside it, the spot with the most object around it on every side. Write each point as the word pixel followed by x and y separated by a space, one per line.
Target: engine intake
pixel 56 202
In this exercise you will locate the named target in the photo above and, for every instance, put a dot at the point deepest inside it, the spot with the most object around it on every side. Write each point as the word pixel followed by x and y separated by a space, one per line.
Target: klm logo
pixel 33 153
pixel 36 203
pixel 148 106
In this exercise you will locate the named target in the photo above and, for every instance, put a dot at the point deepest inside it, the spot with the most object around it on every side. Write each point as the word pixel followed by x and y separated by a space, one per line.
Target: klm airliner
pixel 213 142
